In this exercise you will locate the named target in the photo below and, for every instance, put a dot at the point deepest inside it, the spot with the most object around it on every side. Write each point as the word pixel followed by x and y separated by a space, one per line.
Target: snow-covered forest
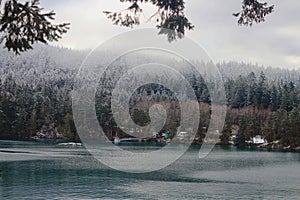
pixel 35 98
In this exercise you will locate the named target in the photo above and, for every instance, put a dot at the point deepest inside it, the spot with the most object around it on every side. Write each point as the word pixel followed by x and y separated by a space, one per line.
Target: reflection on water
pixel 35 171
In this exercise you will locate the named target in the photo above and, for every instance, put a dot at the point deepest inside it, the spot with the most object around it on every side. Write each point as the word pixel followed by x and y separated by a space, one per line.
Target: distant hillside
pixel 35 97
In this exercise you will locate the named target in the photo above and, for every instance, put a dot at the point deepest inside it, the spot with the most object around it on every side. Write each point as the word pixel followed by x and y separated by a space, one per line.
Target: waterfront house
pixel 258 139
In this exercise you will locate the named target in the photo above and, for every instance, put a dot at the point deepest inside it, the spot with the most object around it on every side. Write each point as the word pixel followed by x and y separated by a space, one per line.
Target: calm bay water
pixel 39 171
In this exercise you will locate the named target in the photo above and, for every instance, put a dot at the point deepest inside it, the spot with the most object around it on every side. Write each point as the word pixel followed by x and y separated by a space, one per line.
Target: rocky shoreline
pixel 268 147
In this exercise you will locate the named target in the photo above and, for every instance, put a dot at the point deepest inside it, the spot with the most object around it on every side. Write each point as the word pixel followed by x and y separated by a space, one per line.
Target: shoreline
pixel 264 148
pixel 246 147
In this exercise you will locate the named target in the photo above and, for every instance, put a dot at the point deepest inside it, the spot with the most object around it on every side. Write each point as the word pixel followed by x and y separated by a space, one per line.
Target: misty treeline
pixel 35 94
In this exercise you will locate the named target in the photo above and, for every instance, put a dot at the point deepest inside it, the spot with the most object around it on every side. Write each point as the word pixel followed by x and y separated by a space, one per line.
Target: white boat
pixel 126 140
pixel 70 144
pixel 117 140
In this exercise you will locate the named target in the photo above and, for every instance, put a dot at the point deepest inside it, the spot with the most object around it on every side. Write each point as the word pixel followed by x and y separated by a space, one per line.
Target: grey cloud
pixel 273 43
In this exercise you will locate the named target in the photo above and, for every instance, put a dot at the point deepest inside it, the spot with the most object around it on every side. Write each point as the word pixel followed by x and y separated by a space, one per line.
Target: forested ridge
pixel 35 98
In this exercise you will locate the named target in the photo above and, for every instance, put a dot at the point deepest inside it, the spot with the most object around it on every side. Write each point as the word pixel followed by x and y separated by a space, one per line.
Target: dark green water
pixel 35 171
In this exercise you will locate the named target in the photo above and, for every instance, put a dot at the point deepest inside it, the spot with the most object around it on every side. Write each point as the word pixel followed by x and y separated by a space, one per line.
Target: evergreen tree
pixel 241 138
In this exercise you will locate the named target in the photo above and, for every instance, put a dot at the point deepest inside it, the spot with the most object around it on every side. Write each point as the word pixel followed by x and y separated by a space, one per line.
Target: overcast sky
pixel 274 43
